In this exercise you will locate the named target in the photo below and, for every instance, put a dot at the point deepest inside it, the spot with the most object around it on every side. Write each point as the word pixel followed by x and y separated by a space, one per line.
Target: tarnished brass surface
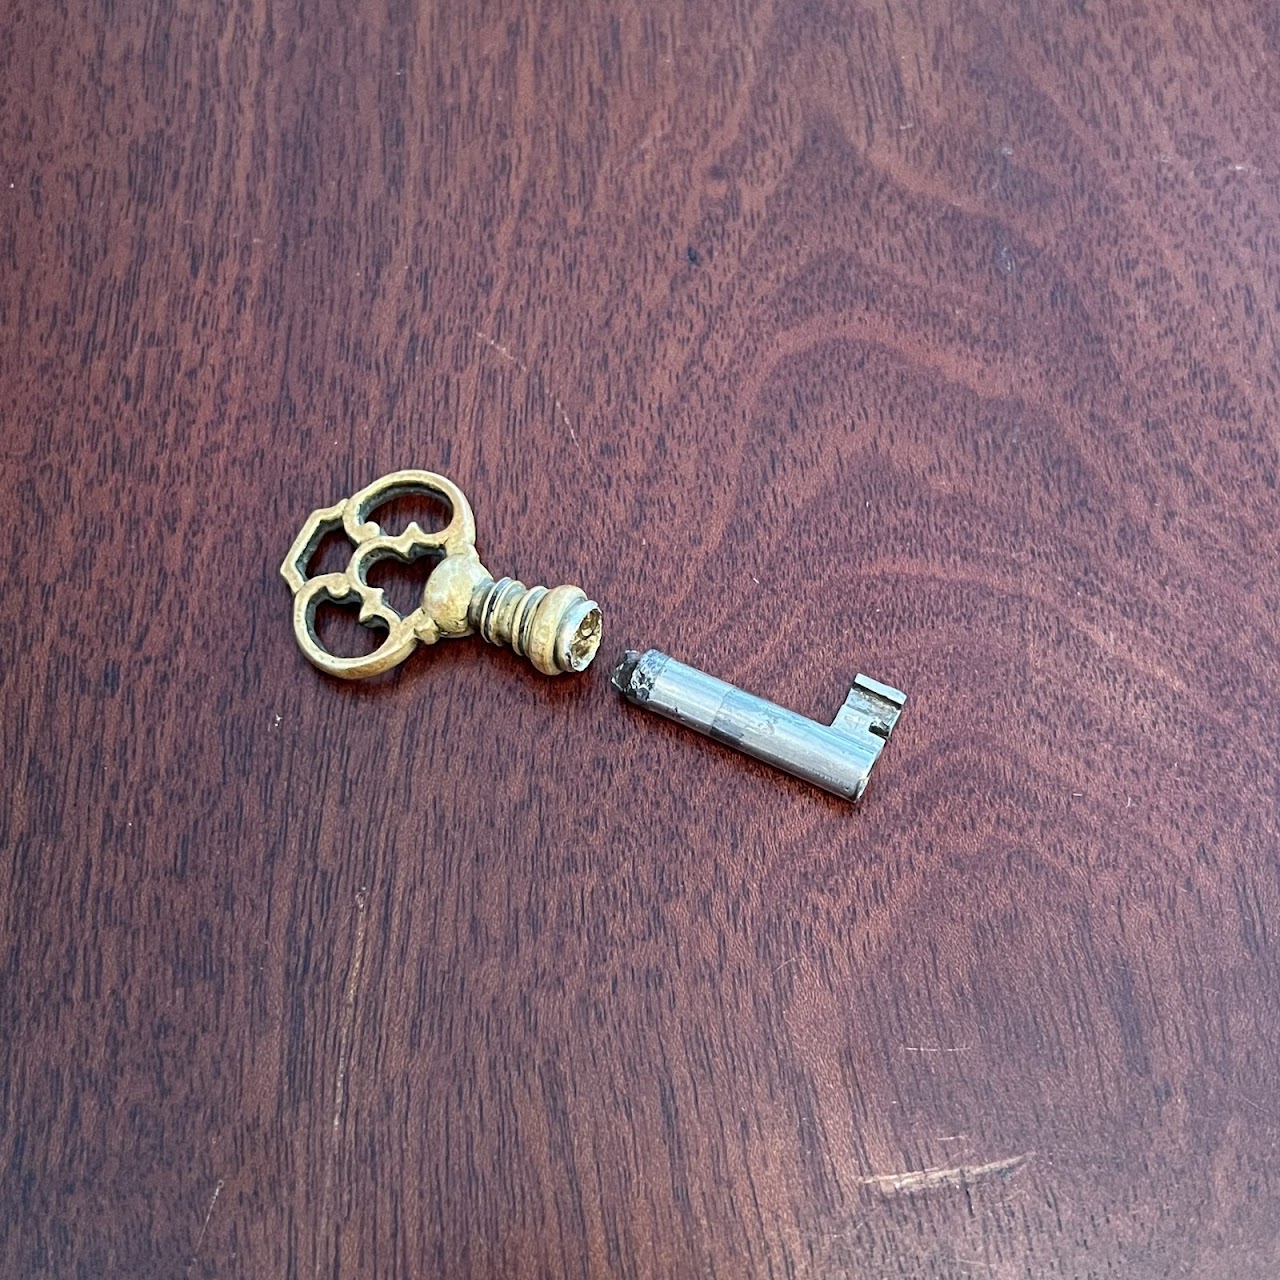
pixel 557 630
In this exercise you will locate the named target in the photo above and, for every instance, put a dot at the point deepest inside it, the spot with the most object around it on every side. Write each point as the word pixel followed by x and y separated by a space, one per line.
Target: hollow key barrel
pixel 837 757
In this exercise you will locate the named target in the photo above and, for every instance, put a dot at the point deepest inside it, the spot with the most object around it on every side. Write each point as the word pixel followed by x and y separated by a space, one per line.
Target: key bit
pixel 836 757
pixel 558 630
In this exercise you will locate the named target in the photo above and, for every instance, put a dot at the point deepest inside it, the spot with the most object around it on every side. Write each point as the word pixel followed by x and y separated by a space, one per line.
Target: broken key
pixel 836 757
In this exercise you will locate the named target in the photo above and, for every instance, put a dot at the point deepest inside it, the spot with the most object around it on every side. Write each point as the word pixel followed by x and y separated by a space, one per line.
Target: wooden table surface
pixel 931 340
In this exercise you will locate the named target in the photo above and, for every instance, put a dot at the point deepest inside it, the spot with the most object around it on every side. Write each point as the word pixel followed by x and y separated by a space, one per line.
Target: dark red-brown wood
pixel 932 340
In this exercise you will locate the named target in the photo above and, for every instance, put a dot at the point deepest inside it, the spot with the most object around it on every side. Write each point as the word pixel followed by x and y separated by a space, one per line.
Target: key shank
pixel 836 757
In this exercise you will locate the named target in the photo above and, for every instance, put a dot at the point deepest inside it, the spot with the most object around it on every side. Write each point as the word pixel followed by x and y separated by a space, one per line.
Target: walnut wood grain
pixel 935 341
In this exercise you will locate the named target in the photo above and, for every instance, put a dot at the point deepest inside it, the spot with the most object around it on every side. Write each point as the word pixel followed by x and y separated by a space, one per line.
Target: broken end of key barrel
pixel 578 635
pixel 633 677
pixel 624 673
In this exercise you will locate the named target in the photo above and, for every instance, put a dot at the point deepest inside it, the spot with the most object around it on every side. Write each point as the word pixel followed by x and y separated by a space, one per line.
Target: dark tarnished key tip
pixel 624 672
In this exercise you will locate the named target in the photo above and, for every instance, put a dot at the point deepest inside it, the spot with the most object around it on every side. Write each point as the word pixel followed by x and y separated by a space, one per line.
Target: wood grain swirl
pixel 934 341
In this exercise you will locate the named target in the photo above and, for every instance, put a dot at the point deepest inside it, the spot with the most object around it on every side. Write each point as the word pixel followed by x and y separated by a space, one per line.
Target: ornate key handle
pixel 557 630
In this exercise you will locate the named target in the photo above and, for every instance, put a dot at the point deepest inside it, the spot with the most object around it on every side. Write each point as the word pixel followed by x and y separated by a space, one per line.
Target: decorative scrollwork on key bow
pixel 557 630
pixel 446 599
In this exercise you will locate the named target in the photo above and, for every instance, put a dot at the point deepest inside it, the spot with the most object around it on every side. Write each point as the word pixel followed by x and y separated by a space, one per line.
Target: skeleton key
pixel 558 630
pixel 836 757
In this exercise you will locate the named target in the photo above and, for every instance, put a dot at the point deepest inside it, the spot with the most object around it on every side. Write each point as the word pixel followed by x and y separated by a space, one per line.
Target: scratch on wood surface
pixel 573 435
pixel 204 1226
pixel 349 1011
pixel 929 1048
pixel 506 354
pixel 354 970
pixel 958 1176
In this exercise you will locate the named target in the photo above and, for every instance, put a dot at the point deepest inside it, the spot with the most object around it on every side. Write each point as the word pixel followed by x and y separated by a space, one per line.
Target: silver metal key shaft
pixel 836 757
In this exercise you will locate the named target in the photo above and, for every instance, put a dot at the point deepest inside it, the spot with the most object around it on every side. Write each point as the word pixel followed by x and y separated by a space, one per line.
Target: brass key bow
pixel 558 630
